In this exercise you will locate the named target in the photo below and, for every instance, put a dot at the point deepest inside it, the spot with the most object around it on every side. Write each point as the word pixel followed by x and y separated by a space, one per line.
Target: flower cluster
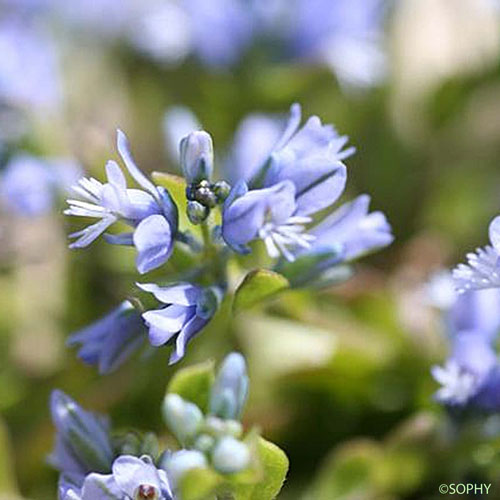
pixel 93 465
pixel 470 377
pixel 345 35
pixel 212 438
pixel 279 196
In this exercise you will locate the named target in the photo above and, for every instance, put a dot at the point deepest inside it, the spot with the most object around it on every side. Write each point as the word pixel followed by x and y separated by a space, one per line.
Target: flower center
pixel 280 237
pixel 146 492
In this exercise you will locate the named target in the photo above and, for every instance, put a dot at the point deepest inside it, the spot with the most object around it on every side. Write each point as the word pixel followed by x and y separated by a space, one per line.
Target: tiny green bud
pixel 214 426
pixel 234 428
pixel 204 443
pixel 206 196
pixel 197 212
pixel 221 190
pixel 191 192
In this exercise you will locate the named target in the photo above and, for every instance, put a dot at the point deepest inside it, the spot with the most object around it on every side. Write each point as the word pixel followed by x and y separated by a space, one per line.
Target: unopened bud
pixel 221 190
pixel 197 157
pixel 230 455
pixel 230 390
pixel 204 443
pixel 182 461
pixel 183 418
pixel 197 212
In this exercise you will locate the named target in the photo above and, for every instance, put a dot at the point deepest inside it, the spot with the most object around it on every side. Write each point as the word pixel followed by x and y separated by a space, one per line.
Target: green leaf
pixel 257 286
pixel 273 465
pixel 194 383
pixel 199 484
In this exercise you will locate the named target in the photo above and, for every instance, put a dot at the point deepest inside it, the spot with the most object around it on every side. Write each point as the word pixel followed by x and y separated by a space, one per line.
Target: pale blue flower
pixel 303 175
pixel 346 35
pixel 188 308
pixel 352 231
pixel 150 211
pixel 132 478
pixel 483 267
pixel 110 341
pixel 29 185
pixel 29 68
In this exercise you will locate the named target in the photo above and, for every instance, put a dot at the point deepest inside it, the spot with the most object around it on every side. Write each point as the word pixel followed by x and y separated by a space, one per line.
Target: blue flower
pixel 466 372
pixel 150 211
pixel 188 309
pixel 351 232
pixel 472 320
pixel 110 341
pixel 303 174
pixel 483 267
pixel 30 185
pixel 83 443
pixel 29 77
pixel 253 143
pixel 131 478
pixel 345 34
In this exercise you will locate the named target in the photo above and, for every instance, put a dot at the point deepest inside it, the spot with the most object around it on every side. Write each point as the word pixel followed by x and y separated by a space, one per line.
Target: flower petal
pixel 154 243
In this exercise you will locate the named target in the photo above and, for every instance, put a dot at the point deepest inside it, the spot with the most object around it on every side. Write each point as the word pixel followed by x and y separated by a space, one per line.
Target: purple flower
pixel 110 341
pixel 131 478
pixel 188 309
pixel 30 185
pixel 482 269
pixel 83 443
pixel 150 211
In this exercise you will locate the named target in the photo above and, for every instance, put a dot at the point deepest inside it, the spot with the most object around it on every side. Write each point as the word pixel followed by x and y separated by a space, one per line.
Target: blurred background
pixel 339 378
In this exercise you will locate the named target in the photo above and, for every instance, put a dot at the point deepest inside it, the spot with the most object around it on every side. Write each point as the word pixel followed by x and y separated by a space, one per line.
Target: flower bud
pixel 230 390
pixel 82 437
pixel 197 212
pixel 183 418
pixel 204 194
pixel 221 190
pixel 197 156
pixel 230 455
pixel 204 443
pixel 178 463
pixel 234 428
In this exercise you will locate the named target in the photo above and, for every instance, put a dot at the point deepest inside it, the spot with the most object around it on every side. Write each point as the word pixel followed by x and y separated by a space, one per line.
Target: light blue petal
pixel 101 487
pixel 124 150
pixel 183 294
pixel 153 240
